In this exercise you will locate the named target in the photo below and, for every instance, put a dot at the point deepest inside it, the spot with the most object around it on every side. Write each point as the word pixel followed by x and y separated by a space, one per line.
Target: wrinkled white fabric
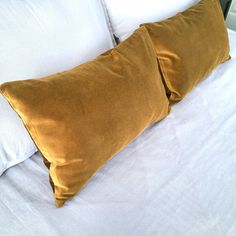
pixel 176 179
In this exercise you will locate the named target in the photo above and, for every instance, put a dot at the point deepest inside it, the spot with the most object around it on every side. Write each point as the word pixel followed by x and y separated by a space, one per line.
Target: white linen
pixel 176 179
pixel 127 15
pixel 15 142
pixel 38 38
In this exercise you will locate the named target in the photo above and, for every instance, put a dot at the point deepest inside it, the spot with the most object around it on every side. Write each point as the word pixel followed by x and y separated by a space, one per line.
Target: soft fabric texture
pixel 127 15
pixel 165 183
pixel 189 46
pixel 80 118
pixel 15 142
pixel 38 38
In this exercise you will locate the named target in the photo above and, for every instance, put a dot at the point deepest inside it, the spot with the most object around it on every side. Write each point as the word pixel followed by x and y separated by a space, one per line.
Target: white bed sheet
pixel 177 178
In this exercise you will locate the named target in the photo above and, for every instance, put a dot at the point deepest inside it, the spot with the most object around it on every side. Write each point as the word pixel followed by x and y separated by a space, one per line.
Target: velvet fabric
pixel 189 46
pixel 80 118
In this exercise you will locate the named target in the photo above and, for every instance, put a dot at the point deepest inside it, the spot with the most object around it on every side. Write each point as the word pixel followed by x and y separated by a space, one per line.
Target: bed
pixel 152 189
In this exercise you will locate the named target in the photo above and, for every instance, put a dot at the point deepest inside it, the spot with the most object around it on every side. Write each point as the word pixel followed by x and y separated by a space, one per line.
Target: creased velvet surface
pixel 189 46
pixel 80 118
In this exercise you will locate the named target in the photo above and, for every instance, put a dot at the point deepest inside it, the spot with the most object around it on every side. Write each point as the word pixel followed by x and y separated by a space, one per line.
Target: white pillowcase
pixel 38 38
pixel 127 15
pixel 15 142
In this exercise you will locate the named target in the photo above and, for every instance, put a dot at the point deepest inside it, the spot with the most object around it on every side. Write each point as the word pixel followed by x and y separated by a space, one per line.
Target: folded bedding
pixel 39 38
pixel 176 179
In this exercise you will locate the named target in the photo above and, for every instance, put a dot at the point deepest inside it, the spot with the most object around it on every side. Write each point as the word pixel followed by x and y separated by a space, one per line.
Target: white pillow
pixel 15 142
pixel 127 15
pixel 38 38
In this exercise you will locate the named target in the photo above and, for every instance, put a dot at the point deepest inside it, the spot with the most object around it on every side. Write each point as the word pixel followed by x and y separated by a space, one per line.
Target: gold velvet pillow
pixel 80 118
pixel 189 46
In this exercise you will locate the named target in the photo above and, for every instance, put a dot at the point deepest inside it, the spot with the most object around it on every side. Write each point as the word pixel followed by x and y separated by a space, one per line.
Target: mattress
pixel 177 178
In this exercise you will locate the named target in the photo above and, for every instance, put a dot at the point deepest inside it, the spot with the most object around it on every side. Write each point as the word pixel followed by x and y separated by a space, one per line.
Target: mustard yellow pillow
pixel 80 118
pixel 189 46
